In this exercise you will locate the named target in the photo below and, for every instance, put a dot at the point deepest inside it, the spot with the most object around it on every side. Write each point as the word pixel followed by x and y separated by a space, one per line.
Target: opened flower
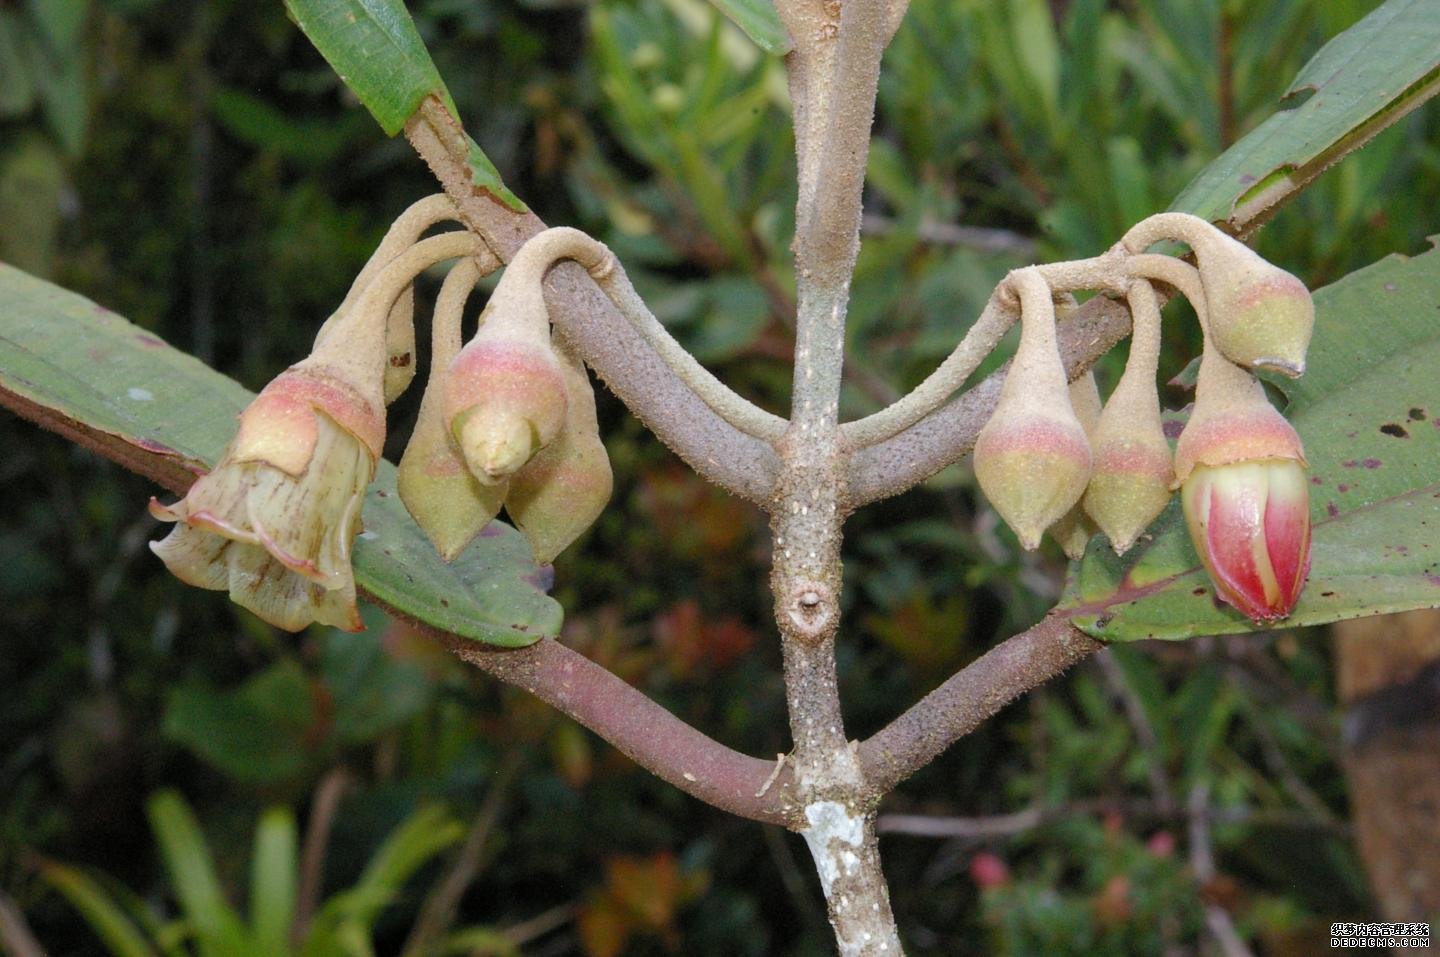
pixel 273 523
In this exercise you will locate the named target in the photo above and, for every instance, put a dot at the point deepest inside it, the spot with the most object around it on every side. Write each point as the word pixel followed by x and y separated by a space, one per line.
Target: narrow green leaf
pixel 420 837
pixel 410 846
pixel 1360 82
pixel 485 176
pixel 760 22
pixel 1369 414
pixel 479 942
pixel 105 917
pixel 193 877
pixel 78 361
pixel 272 881
pixel 374 46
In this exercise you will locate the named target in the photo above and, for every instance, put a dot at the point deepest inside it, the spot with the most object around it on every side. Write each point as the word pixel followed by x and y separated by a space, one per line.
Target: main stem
pixel 834 74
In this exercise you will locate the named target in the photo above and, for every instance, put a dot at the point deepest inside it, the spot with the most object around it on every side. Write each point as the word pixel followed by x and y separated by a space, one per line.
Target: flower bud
pixel 435 485
pixel 1132 476
pixel 1075 529
pixel 561 492
pixel 1032 458
pixel 504 401
pixel 1260 315
pixel 505 391
pixel 1245 496
pixel 1250 522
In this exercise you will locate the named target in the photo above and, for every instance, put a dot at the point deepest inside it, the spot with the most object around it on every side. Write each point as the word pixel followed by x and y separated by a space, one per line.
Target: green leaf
pixel 1369 414
pixel 760 22
pixel 372 690
pixel 485 176
pixel 374 46
pixel 193 877
pixel 258 733
pixel 1360 82
pixel 352 913
pixel 80 367
pixel 105 917
pixel 273 876
pixel 310 143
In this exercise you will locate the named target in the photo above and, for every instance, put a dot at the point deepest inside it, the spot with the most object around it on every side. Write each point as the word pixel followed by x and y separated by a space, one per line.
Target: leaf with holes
pixel 85 372
pixel 1360 82
pixel 1369 412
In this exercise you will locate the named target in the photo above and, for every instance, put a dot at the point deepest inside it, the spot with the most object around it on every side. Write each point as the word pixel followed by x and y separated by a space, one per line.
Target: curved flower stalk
pixel 274 522
pixel 403 233
pixel 1032 457
pixel 435 485
pixel 1247 503
pixel 1260 315
pixel 1133 476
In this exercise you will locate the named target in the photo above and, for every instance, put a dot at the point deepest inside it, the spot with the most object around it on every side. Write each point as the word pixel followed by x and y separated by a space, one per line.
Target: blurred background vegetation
pixel 198 168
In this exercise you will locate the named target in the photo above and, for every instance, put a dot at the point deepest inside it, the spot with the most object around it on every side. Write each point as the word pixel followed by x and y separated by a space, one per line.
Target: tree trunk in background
pixel 1389 687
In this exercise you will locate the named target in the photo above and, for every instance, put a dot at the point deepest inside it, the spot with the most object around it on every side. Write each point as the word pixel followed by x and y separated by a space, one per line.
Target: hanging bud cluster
pixel 1052 457
pixel 507 421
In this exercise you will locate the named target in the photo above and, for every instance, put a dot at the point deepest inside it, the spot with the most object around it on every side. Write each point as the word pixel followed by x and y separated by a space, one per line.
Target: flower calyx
pixel 1133 475
pixel 1032 457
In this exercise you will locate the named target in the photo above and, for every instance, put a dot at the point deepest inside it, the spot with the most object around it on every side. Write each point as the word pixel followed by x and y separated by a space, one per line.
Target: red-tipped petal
pixel 1240 567
pixel 1287 533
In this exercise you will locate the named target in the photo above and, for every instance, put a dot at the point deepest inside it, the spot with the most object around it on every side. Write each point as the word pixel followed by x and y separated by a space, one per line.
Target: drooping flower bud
pixel 505 391
pixel 1244 492
pixel 1132 476
pixel 448 504
pixel 561 492
pixel 1074 529
pixel 1032 458
pixel 1260 315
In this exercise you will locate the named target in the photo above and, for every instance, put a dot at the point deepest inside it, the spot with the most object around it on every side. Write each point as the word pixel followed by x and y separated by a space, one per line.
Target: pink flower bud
pixel 435 484
pixel 1244 492
pixel 987 871
pixel 504 392
pixel 1032 457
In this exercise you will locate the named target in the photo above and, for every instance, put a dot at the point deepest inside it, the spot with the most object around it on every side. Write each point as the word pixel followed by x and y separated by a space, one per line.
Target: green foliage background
pixel 198 168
